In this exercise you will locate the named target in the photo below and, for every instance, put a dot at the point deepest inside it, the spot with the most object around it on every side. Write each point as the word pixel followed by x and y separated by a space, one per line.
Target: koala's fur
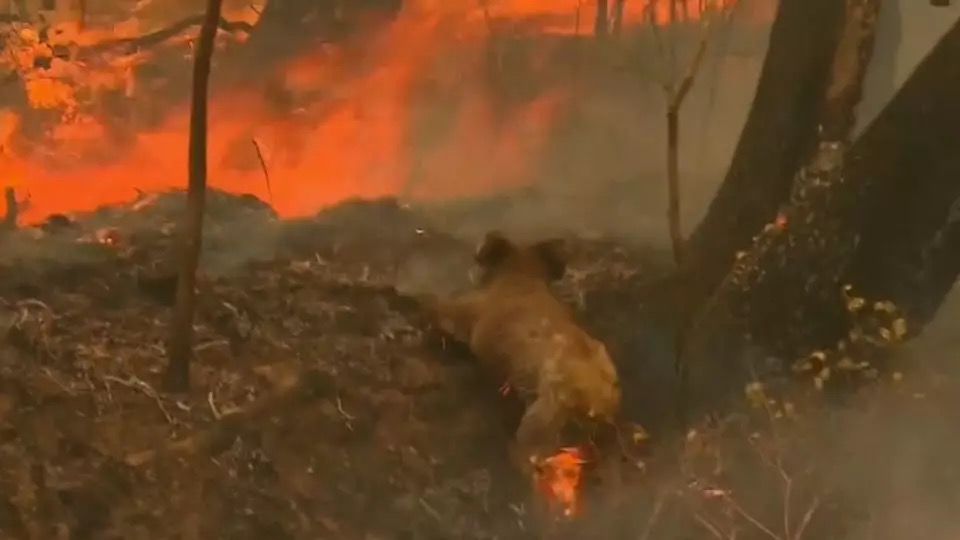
pixel 520 331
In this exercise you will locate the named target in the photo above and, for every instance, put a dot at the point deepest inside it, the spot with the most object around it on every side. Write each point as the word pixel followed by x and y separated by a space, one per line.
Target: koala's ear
pixel 493 250
pixel 554 254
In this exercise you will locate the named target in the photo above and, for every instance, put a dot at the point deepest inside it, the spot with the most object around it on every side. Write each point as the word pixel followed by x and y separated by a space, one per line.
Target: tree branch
pixel 159 36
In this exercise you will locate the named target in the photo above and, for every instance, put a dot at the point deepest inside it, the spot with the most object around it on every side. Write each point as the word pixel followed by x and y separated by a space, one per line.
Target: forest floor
pixel 323 407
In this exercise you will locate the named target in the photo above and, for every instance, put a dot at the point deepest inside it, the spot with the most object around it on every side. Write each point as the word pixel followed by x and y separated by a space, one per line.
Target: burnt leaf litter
pixel 323 406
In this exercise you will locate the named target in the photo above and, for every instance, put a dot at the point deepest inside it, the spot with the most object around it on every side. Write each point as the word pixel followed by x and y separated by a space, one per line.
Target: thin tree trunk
pixel 82 19
pixel 12 212
pixel 784 294
pixel 180 348
pixel 618 17
pixel 603 17
pixel 676 98
pixel 673 182
pixel 779 135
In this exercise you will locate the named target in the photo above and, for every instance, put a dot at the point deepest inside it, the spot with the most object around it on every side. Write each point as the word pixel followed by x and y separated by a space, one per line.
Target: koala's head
pixel 498 256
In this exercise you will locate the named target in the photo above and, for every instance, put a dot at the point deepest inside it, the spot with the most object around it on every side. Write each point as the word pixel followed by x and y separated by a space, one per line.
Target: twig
pixel 33 302
pixel 263 167
pixel 346 416
pixel 807 517
pixel 754 521
pixel 213 406
pixel 705 523
pixel 46 371
pixel 787 495
pixel 430 510
pixel 144 388
pixel 654 516
pixel 680 95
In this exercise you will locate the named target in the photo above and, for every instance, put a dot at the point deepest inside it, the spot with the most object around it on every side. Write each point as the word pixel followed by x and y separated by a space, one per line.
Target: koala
pixel 520 331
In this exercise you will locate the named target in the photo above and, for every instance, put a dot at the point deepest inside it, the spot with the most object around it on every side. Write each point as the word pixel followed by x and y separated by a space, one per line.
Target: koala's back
pixel 523 332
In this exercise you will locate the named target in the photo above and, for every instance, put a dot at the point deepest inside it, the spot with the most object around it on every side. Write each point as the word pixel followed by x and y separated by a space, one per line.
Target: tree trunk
pixel 909 250
pixel 673 182
pixel 603 18
pixel 13 210
pixel 779 134
pixel 784 294
pixel 618 17
pixel 180 348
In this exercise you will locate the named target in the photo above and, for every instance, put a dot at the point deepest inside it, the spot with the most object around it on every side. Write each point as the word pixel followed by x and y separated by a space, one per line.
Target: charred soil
pixel 323 405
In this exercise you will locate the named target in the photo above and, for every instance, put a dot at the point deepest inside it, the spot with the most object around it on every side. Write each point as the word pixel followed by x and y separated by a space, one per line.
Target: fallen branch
pixel 144 388
pixel 159 36
pixel 263 167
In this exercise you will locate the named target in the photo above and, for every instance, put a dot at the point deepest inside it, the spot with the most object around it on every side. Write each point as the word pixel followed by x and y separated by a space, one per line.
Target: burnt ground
pixel 324 407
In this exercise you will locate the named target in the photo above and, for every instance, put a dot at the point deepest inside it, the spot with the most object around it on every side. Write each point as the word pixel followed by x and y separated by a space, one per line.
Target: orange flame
pixel 559 480
pixel 366 125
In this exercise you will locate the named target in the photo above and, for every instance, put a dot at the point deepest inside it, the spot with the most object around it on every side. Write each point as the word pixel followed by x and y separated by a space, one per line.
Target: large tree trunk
pixel 180 346
pixel 779 135
pixel 783 294
pixel 909 250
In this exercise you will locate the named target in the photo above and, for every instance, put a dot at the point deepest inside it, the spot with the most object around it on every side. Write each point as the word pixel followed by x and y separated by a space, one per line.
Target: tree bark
pixel 180 350
pixel 909 250
pixel 779 135
pixel 784 294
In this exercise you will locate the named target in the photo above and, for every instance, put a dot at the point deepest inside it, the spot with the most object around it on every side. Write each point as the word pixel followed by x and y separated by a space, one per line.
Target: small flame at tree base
pixel 558 479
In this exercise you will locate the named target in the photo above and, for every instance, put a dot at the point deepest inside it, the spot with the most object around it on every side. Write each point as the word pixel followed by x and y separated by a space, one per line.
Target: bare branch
pixel 263 167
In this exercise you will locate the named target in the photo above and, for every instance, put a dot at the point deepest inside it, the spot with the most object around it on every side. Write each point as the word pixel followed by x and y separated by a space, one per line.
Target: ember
pixel 558 478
